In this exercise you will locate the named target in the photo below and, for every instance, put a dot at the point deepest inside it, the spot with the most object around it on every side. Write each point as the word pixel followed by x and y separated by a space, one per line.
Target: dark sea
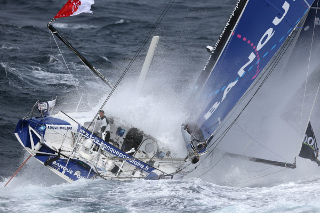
pixel 33 69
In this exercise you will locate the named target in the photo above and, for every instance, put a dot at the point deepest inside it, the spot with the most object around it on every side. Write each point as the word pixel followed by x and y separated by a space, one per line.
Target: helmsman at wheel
pixel 104 126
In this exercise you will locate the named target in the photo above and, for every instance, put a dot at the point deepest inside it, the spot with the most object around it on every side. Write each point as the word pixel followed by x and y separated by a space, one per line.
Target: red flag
pixel 75 7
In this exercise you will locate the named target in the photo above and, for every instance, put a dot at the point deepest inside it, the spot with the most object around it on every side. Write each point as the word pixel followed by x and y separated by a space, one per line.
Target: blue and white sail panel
pixel 261 30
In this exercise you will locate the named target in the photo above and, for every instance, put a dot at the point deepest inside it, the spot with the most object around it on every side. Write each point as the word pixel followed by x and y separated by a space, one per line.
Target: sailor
pixel 104 126
pixel 197 145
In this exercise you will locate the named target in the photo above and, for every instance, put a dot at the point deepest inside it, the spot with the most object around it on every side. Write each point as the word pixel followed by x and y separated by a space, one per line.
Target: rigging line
pixel 66 64
pixel 216 142
pixel 86 67
pixel 235 106
pixel 221 46
pixel 212 166
pixel 229 127
pixel 199 169
pixel 260 170
pixel 314 101
pixel 243 97
pixel 276 60
pixel 50 41
pixel 181 169
pixel 79 103
pixel 306 82
pixel 164 12
pixel 206 102
pixel 258 142
pixel 272 65
pixel 31 111
pixel 51 53
pixel 140 49
pixel 222 135
pixel 256 177
pixel 216 131
pixel 126 159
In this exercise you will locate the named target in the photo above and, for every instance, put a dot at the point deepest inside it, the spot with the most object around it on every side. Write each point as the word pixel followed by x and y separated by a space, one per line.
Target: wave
pixel 120 22
pixel 37 76
pixel 74 26
pixel 9 48
pixel 193 195
pixel 43 77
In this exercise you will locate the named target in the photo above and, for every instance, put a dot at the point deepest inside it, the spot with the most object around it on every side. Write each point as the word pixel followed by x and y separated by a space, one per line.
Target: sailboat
pixel 229 108
pixel 75 150
pixel 250 102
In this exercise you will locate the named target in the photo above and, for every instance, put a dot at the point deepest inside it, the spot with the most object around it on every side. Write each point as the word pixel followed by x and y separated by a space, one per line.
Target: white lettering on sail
pixel 262 42
pixel 229 87
pixel 268 33
pixel 311 141
pixel 308 140
pixel 241 72
pixel 277 20
pixel 226 91
pixel 211 110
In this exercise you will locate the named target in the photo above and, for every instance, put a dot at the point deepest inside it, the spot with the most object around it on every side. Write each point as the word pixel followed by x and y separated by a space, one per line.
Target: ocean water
pixel 32 68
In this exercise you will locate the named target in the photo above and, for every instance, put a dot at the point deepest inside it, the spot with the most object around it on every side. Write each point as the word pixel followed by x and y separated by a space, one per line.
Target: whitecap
pixel 105 58
pixel 9 48
pixel 44 77
pixel 74 26
pixel 121 21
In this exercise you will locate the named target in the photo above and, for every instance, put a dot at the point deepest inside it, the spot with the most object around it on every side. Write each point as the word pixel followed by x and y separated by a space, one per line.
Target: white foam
pixel 74 26
pixel 121 21
pixel 9 48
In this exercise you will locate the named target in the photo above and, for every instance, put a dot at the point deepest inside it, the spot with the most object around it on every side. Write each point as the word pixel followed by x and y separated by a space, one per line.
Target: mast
pixel 82 58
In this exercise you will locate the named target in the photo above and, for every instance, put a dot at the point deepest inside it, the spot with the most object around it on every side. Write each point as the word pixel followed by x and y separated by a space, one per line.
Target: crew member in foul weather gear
pixel 197 145
pixel 104 126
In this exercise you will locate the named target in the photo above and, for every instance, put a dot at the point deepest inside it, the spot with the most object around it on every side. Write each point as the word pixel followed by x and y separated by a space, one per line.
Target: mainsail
pixel 262 28
pixel 262 35
pixel 252 108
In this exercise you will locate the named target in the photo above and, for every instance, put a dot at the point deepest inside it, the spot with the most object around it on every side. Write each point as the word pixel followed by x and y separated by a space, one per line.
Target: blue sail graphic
pixel 261 30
